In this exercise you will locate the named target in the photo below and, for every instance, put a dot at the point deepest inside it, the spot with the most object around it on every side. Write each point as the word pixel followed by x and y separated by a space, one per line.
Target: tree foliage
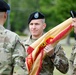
pixel 55 11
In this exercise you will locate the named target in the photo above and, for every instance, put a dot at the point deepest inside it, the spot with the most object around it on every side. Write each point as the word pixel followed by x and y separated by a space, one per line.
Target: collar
pixel 32 38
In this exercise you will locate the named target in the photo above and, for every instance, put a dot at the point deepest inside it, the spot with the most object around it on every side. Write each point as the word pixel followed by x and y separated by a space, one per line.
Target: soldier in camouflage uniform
pixel 72 65
pixel 12 53
pixel 55 58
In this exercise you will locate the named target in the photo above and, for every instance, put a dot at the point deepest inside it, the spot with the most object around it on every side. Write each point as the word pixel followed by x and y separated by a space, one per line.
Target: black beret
pixel 35 15
pixel 73 14
pixel 4 6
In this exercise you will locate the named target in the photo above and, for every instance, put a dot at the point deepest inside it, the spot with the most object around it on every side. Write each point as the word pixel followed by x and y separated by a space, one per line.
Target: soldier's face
pixel 36 27
pixel 74 24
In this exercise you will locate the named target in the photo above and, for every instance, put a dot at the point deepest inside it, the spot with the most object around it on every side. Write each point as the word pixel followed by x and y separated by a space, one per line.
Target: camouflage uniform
pixel 72 68
pixel 60 60
pixel 12 53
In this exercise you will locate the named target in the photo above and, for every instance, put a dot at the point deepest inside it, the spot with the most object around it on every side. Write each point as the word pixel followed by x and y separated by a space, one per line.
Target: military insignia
pixel 43 44
pixel 36 15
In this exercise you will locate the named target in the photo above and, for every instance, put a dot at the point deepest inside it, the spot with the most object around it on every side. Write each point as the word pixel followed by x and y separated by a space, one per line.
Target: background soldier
pixel 72 66
pixel 55 56
pixel 12 52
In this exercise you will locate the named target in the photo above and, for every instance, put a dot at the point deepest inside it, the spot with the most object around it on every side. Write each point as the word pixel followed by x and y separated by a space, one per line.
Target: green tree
pixel 56 11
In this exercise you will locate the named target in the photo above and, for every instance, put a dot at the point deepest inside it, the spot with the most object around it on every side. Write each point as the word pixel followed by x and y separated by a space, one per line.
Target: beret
pixel 4 6
pixel 35 15
pixel 73 14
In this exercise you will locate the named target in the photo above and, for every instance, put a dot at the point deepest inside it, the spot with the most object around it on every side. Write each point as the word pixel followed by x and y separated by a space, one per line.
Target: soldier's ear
pixel 44 25
pixel 5 15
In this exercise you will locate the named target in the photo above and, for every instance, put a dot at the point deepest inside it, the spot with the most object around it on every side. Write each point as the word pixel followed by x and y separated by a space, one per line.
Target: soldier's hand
pixel 49 49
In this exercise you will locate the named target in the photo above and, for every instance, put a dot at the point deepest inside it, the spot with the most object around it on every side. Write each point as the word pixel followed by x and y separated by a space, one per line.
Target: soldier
pixel 55 56
pixel 12 52
pixel 72 66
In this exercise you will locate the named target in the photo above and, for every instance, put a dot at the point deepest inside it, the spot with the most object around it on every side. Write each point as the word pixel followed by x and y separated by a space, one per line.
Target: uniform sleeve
pixel 19 67
pixel 74 66
pixel 61 61
pixel 73 59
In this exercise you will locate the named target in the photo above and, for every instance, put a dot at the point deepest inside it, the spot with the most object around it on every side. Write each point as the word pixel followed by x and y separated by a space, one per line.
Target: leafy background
pixel 55 11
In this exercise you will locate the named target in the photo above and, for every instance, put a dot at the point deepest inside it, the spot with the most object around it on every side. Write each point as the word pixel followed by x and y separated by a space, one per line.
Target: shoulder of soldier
pixel 10 33
pixel 27 41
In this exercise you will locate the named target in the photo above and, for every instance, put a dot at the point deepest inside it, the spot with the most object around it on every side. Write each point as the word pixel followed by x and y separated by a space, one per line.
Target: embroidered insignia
pixel 36 15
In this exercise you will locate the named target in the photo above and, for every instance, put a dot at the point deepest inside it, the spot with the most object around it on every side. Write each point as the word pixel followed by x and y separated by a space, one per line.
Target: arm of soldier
pixel 74 60
pixel 60 60
pixel 19 58
pixel 74 66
